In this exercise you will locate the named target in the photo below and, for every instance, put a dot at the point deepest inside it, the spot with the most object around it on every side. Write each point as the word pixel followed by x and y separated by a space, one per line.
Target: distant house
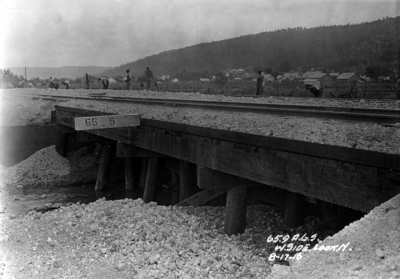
pixel 248 76
pixel 268 77
pixel 365 78
pixel 290 76
pixel 175 80
pixel 348 78
pixel 238 73
pixel 319 78
pixel 310 73
pixel 204 80
pixel 334 75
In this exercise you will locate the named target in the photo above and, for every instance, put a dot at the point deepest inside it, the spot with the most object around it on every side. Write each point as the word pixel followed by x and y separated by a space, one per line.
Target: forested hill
pixel 333 47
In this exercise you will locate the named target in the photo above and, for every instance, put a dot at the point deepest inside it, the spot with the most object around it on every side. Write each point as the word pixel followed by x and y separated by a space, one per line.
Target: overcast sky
pixel 55 33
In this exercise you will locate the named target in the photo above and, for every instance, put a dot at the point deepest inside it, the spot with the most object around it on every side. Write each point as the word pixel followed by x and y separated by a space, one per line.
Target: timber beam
pixel 349 177
pixel 128 150
pixel 202 197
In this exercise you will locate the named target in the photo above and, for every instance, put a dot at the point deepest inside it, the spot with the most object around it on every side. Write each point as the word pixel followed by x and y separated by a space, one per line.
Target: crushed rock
pixel 41 168
pixel 131 239
pixel 373 252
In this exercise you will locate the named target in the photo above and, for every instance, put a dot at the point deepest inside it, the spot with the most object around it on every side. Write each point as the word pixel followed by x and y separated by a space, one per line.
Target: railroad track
pixel 381 116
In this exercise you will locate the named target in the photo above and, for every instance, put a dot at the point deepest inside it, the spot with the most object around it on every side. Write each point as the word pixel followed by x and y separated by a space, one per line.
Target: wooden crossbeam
pixel 202 197
pixel 128 150
pixel 209 179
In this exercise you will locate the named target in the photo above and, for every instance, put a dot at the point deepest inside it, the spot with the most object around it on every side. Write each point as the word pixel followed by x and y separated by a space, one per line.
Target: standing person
pixel 87 80
pixel 148 74
pixel 260 84
pixel 53 83
pixel 67 84
pixel 105 81
pixel 128 80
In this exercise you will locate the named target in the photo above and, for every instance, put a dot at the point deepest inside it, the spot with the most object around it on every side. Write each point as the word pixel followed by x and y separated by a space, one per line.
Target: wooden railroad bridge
pixel 213 162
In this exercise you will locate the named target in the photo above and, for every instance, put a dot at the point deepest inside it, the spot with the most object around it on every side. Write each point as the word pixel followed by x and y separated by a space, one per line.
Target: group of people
pixel 148 75
pixel 54 84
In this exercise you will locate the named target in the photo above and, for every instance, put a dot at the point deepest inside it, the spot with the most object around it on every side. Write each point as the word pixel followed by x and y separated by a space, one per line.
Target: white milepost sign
pixel 106 122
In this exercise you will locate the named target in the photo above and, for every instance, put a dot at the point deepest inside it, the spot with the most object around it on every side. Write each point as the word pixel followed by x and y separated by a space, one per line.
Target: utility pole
pixel 25 74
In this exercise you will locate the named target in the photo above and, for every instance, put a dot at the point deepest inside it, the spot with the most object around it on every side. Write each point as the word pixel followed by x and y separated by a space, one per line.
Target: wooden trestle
pixel 279 171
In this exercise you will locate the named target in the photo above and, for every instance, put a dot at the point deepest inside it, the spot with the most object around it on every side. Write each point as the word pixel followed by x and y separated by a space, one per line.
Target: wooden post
pixel 294 209
pixel 105 165
pixel 129 173
pixel 235 211
pixel 151 179
pixel 143 172
pixel 188 180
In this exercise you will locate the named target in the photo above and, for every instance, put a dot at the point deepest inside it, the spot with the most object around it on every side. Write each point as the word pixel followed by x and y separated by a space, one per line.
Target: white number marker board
pixel 106 122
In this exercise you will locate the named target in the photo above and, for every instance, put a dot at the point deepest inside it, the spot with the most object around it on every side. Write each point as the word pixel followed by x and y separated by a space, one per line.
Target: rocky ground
pixel 129 239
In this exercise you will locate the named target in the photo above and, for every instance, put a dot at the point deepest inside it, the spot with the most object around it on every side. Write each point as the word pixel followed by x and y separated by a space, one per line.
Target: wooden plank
pixel 188 178
pixel 151 179
pixel 294 210
pixel 208 178
pixel 235 211
pixel 202 197
pixel 128 150
pixel 365 157
pixel 125 135
pixel 315 149
pixel 106 121
pixel 308 175
pixel 105 165
pixel 129 173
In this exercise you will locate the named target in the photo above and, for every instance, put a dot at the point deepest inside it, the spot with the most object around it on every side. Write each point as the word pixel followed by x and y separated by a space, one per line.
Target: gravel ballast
pixel 366 136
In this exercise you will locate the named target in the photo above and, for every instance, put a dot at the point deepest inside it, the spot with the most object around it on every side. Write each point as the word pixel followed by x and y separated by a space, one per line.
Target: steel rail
pixel 381 116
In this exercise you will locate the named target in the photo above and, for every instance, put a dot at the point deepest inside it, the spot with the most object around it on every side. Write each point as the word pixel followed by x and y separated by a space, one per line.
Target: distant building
pixel 268 77
pixel 310 73
pixel 319 78
pixel 348 78
pixel 175 80
pixel 334 75
pixel 290 76
pixel 204 80
pixel 238 72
